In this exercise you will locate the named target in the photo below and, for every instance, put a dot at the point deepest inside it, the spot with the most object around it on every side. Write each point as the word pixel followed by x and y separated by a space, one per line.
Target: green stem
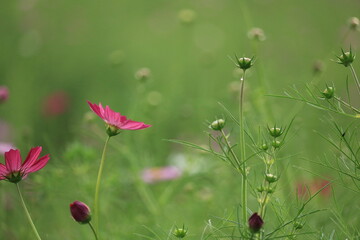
pixel 355 77
pixel 347 105
pixel 238 163
pixel 242 150
pixel 97 188
pixel 27 213
pixel 93 230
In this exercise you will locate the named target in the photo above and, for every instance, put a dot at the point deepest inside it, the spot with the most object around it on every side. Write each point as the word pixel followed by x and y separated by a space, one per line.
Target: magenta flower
pixel 80 212
pixel 4 94
pixel 56 104
pixel 152 175
pixel 14 171
pixel 115 120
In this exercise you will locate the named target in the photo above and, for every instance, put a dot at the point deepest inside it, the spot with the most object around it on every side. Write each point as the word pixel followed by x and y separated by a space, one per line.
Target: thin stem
pixel 97 188
pixel 355 77
pixel 242 150
pixel 263 203
pixel 238 163
pixel 347 105
pixel 27 213
pixel 93 230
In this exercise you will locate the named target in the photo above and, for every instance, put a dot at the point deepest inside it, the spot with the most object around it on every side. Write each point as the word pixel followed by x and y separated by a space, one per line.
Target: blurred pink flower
pixel 4 94
pixel 14 171
pixel 318 184
pixel 304 190
pixel 152 175
pixel 115 120
pixel 56 104
pixel 5 147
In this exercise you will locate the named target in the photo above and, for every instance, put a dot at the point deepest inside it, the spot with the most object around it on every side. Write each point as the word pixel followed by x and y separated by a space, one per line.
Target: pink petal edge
pixel 13 160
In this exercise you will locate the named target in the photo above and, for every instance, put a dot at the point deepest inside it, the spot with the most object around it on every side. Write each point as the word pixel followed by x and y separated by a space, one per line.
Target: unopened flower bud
pixel 217 125
pixel 354 23
pixel 260 189
pixel 255 223
pixel 298 225
pixel 346 58
pixel 276 144
pixel 269 161
pixel 80 212
pixel 271 178
pixel 264 147
pixel 270 190
pixel 245 63
pixel 275 131
pixel 143 74
pixel 180 232
pixel 4 94
pixel 328 93
pixel 318 67
pixel 256 34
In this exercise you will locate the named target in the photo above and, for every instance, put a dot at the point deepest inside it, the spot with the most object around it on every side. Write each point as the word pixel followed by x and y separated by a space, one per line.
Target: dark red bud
pixel 255 222
pixel 80 212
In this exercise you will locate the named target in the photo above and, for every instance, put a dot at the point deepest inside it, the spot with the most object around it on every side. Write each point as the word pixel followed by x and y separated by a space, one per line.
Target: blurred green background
pixel 58 54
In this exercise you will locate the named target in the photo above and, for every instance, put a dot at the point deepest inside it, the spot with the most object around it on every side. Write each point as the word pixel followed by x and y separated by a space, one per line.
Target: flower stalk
pixel 97 188
pixel 93 230
pixel 355 77
pixel 27 213
pixel 242 149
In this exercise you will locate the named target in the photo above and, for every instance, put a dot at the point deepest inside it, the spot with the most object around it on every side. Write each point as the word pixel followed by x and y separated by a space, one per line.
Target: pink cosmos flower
pixel 152 175
pixel 56 103
pixel 115 120
pixel 4 94
pixel 14 171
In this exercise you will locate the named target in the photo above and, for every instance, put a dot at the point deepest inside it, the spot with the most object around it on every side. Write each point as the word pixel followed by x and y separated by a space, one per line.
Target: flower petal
pixel 39 164
pixel 133 125
pixel 13 160
pixel 31 158
pixel 3 171
pixel 114 118
pixel 96 109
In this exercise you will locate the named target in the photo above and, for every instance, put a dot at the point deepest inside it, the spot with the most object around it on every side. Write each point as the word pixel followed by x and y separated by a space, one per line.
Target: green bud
pixel 269 161
pixel 271 178
pixel 260 189
pixel 328 93
pixel 270 190
pixel 346 58
pixel 217 125
pixel 264 147
pixel 298 225
pixel 180 232
pixel 244 63
pixel 275 131
pixel 276 144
